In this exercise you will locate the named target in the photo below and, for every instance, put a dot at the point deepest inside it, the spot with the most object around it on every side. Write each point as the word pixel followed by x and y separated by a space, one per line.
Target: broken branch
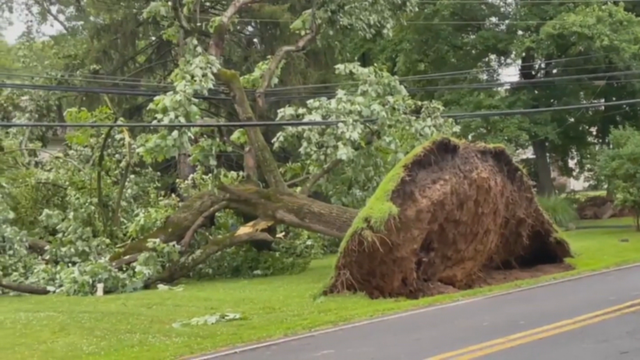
pixel 214 246
pixel 127 260
pixel 184 244
pixel 274 64
pixel 306 189
pixel 176 6
pixel 216 45
pixel 258 144
pixel 38 246
pixel 24 288
pixel 175 226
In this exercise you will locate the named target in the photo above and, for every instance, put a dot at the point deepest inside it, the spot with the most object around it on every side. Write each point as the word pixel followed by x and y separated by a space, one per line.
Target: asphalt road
pixel 427 334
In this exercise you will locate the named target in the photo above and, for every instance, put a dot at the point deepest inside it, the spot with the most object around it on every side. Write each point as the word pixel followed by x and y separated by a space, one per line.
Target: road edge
pixel 259 345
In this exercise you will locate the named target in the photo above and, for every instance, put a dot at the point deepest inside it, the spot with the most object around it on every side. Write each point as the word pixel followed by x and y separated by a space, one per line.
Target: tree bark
pixel 545 183
pixel 285 207
pixel 281 207
pixel 185 169
pixel 24 288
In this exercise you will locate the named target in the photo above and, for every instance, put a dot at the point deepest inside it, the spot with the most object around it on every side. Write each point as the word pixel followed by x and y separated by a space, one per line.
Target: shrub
pixel 619 167
pixel 561 210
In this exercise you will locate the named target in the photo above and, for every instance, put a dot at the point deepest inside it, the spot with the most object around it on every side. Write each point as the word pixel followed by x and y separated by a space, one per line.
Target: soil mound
pixel 441 221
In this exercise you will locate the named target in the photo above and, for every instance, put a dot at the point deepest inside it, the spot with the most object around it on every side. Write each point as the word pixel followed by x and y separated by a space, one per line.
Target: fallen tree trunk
pixel 281 207
pixel 25 288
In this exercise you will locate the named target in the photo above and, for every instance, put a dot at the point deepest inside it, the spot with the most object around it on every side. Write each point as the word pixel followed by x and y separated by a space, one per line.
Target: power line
pixel 416 22
pixel 523 2
pixel 97 90
pixel 301 123
pixel 66 78
pixel 216 95
pixel 536 110
pixel 442 75
pixel 434 76
pixel 418 90
pixel 527 82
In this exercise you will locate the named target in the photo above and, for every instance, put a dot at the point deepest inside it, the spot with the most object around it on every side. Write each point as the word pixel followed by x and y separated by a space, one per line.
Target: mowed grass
pixel 139 325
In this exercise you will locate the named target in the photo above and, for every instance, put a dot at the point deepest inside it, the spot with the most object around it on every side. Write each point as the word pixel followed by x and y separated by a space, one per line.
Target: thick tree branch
pixel 127 260
pixel 306 189
pixel 175 227
pixel 184 244
pixel 216 45
pixel 24 288
pixel 123 180
pixel 231 79
pixel 55 17
pixel 293 220
pixel 266 161
pixel 38 246
pixel 214 246
pixel 274 64
pixel 176 6
pixel 291 209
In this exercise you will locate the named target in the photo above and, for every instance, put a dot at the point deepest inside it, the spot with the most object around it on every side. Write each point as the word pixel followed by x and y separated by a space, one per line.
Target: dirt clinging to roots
pixel 467 217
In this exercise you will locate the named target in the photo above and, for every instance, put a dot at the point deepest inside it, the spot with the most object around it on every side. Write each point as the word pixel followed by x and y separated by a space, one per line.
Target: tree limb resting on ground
pixel 214 246
pixel 24 288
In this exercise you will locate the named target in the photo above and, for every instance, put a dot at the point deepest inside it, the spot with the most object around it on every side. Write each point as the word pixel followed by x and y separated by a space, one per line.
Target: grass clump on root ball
pixel 379 208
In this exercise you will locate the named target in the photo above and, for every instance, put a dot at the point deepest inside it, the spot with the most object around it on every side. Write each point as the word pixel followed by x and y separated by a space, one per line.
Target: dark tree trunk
pixel 185 169
pixel 545 182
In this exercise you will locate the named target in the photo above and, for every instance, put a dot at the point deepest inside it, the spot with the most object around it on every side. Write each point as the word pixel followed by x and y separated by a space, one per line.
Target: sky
pixel 12 32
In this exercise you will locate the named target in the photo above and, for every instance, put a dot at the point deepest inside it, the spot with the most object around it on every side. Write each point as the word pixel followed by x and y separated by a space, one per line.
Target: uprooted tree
pixel 287 202
pixel 445 215
pixel 342 160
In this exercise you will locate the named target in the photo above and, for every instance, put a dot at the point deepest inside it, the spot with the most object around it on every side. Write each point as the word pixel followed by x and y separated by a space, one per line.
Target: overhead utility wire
pixel 301 123
pixel 83 79
pixel 221 96
pixel 527 2
pixel 103 90
pixel 433 76
pixel 438 75
pixel 419 90
pixel 416 22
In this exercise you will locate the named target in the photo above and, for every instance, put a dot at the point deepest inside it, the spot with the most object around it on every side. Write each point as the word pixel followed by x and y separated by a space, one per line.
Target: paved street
pixel 427 334
pixel 617 338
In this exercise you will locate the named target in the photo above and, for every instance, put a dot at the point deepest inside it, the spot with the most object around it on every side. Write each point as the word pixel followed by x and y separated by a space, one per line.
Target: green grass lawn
pixel 608 222
pixel 139 326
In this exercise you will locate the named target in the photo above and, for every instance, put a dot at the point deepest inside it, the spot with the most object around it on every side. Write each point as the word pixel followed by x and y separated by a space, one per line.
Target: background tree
pixel 619 166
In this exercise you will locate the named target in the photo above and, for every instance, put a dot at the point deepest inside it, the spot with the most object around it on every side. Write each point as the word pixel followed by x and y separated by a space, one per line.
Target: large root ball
pixel 445 215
